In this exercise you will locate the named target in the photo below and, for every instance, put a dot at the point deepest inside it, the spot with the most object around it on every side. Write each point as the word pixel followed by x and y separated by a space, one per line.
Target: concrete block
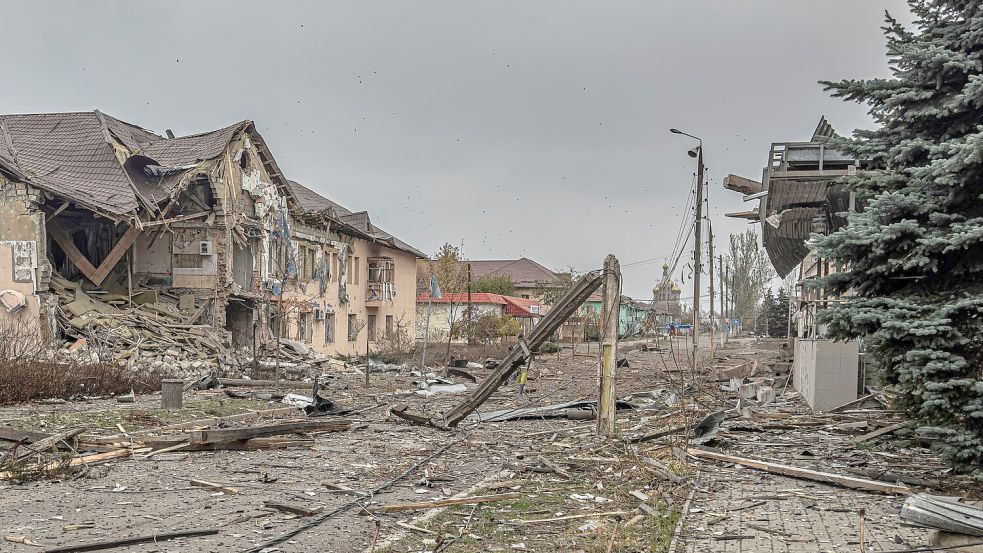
pixel 171 394
pixel 747 391
pixel 766 394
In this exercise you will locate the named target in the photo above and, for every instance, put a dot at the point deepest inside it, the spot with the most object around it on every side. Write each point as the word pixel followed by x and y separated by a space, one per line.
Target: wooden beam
pixel 61 208
pixel 118 251
pixel 194 423
pixel 94 274
pixel 880 432
pixel 564 308
pixel 160 444
pixel 70 249
pixel 249 432
pixel 292 509
pixel 50 442
pixel 87 460
pixel 214 487
pixel 799 472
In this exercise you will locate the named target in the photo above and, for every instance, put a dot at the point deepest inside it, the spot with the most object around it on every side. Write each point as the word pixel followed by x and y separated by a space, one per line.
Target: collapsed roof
pixel 108 165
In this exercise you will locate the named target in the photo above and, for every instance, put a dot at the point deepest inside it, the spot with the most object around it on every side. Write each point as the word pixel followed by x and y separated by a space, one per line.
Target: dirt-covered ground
pixel 569 490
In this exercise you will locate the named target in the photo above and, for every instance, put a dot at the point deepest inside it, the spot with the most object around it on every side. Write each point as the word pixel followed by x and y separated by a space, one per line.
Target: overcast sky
pixel 520 128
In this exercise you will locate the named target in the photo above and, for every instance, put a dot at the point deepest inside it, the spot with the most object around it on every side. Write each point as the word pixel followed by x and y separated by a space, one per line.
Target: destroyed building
pixel 182 247
pixel 799 195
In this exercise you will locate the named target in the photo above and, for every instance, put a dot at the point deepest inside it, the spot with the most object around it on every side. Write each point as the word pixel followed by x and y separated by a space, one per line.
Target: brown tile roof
pixel 310 201
pixel 523 271
pixel 69 154
pixel 72 155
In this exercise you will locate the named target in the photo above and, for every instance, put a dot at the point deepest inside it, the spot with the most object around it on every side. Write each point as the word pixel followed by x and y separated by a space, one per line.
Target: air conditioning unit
pixel 206 247
pixel 318 314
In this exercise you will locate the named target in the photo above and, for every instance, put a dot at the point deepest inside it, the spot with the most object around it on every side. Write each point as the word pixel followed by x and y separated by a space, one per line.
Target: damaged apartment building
pixel 182 247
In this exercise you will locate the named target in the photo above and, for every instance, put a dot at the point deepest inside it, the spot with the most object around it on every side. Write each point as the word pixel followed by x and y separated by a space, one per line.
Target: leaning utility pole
pixel 610 314
pixel 697 252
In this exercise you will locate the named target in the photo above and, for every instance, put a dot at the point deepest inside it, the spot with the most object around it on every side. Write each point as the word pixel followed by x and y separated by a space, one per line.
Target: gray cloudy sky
pixel 516 128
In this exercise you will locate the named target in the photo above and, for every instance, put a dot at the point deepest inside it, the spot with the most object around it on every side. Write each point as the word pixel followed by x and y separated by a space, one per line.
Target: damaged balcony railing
pixel 380 284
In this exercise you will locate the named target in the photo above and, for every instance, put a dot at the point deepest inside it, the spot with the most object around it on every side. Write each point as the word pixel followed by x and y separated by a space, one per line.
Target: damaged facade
pixel 190 244
pixel 799 195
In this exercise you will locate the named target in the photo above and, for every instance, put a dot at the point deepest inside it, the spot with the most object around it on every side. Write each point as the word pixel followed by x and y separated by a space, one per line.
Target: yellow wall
pixel 403 305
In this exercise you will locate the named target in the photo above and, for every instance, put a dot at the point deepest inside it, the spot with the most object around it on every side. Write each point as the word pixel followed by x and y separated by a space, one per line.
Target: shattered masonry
pixel 108 228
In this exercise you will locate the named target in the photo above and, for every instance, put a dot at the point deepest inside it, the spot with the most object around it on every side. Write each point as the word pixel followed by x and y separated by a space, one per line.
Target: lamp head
pixel 675 131
pixel 694 152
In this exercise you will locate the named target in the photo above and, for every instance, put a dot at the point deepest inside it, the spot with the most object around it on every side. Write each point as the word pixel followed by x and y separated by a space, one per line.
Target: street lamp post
pixel 698 235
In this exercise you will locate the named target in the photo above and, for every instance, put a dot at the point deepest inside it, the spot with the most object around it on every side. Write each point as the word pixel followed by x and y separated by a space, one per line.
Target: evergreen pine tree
pixel 763 323
pixel 779 318
pixel 915 250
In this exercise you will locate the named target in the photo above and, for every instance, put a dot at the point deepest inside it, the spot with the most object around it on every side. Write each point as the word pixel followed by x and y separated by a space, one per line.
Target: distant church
pixel 665 299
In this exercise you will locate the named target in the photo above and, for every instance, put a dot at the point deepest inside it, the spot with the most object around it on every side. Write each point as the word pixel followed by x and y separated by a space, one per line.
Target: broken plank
pixel 50 442
pixel 291 509
pixel 445 502
pixel 554 467
pixel 166 449
pixel 86 460
pixel 214 487
pixel 880 432
pixel 249 432
pixel 110 544
pixel 11 434
pixel 409 526
pixel 236 445
pixel 197 423
pixel 657 435
pixel 799 472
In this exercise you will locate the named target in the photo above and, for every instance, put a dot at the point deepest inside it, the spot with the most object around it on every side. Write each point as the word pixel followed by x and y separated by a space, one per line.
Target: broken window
pixel 352 328
pixel 370 327
pixel 329 328
pixel 380 279
pixel 306 330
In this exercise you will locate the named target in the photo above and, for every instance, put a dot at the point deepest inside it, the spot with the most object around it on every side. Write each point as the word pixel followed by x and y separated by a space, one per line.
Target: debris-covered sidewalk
pixel 248 474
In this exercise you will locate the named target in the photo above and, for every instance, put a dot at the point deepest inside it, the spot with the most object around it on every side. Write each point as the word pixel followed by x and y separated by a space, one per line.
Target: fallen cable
pixel 349 504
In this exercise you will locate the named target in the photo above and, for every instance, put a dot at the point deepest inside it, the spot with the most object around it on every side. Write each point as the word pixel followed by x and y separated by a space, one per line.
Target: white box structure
pixel 826 373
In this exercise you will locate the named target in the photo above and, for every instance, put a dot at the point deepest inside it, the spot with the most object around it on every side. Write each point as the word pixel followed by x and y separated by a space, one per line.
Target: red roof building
pixel 516 307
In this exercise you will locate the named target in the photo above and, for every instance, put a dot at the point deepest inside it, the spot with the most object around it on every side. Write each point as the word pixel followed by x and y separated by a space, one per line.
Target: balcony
pixel 380 282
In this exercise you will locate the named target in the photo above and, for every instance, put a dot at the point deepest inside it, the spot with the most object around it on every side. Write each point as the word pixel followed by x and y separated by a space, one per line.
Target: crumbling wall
pixel 24 268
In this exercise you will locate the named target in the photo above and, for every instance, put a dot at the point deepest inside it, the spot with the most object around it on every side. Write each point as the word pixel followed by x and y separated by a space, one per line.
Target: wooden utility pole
pixel 610 314
pixel 470 326
pixel 713 321
pixel 697 252
pixel 723 294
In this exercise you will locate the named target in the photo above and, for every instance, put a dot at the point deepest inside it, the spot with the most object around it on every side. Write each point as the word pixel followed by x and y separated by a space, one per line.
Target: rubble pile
pixel 153 335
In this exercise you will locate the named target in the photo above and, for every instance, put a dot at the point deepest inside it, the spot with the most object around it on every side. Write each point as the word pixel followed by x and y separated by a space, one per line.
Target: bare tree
pixel 750 270
pixel 549 292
